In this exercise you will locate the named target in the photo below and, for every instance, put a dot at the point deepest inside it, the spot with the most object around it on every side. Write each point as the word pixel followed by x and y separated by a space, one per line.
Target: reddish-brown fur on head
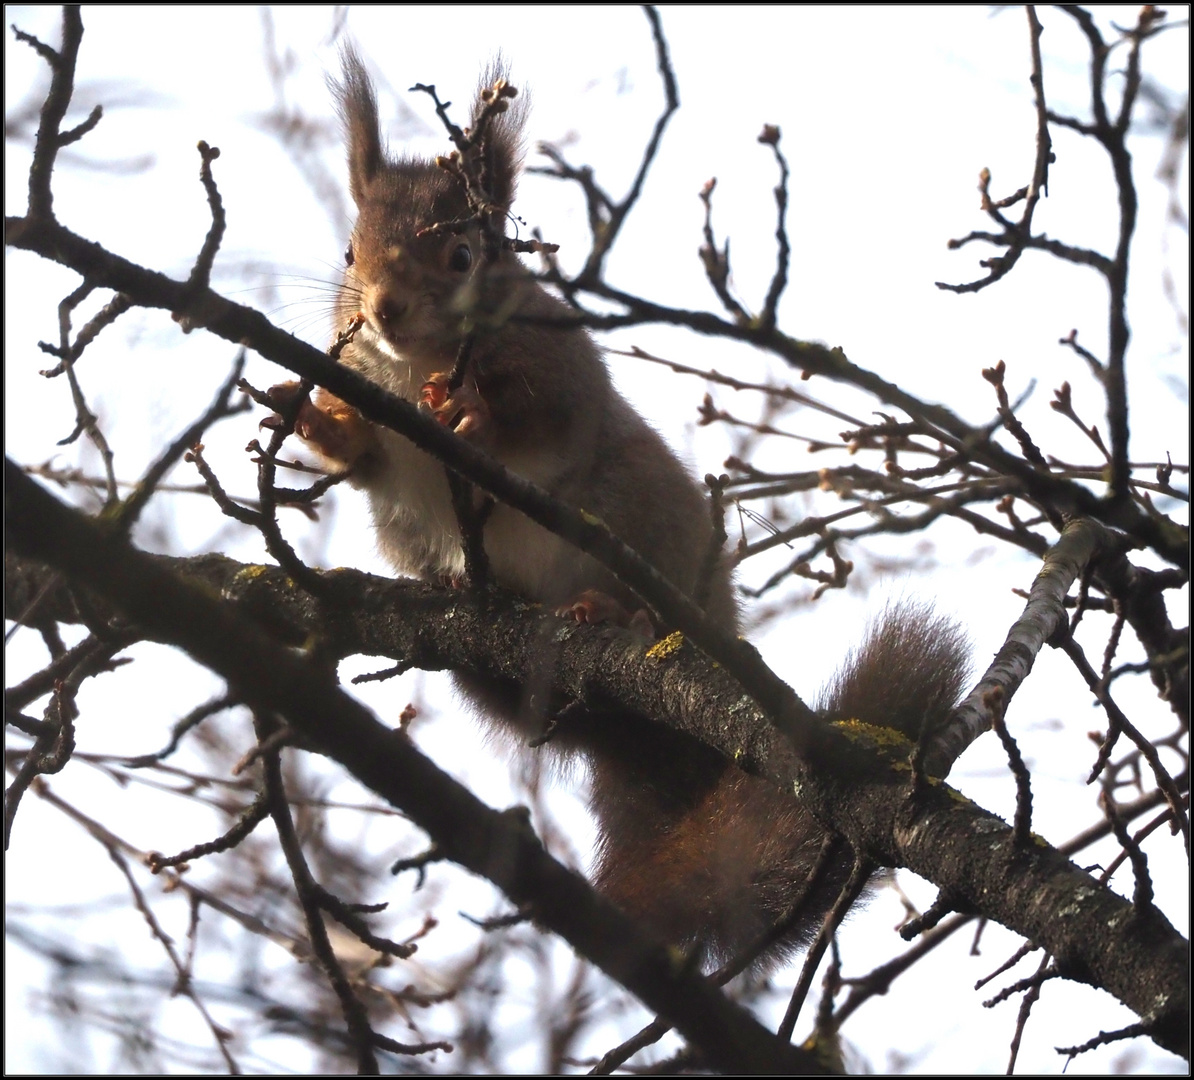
pixel 422 226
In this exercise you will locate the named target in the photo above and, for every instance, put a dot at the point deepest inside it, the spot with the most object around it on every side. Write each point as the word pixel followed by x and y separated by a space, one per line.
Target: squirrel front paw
pixel 331 427
pixel 463 409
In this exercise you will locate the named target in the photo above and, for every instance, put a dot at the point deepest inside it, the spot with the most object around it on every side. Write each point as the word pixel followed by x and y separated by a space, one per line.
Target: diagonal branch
pixel 496 845
pixel 866 798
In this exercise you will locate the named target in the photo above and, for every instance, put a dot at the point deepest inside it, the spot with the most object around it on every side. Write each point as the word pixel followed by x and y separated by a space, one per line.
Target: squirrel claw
pixel 433 394
pixel 594 606
pixel 335 430
pixel 463 409
pixel 285 397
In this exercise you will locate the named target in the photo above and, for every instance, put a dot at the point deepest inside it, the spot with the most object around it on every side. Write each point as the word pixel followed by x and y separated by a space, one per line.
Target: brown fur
pixel 700 851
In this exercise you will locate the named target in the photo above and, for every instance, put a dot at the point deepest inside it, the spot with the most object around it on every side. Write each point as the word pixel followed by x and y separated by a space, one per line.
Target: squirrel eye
pixel 348 256
pixel 461 258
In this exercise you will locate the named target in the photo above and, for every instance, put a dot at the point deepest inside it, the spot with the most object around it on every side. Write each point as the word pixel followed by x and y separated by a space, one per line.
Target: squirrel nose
pixel 389 310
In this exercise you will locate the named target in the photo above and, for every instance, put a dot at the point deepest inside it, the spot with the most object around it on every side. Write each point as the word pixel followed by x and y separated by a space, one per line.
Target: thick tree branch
pixel 934 833
pixel 498 846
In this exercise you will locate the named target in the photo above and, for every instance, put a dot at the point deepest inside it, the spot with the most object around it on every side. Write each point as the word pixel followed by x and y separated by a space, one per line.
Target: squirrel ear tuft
pixel 504 149
pixel 357 106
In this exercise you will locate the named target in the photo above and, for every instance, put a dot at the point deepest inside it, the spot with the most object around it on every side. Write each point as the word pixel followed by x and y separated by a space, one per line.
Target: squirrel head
pixel 428 234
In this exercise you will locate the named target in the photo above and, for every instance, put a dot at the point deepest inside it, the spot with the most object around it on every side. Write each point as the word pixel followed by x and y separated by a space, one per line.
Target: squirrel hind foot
pixel 594 606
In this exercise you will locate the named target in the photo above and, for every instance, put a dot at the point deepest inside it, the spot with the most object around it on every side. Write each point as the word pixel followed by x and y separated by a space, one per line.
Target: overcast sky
pixel 887 114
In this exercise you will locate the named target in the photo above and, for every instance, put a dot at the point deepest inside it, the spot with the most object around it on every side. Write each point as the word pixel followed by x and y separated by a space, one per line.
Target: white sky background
pixel 887 115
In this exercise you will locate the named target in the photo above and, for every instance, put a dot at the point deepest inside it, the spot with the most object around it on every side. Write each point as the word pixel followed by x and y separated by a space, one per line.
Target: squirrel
pixel 705 855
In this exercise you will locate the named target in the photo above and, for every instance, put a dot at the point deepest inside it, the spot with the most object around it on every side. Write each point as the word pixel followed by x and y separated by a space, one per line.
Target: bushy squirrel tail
pixel 909 671
pixel 720 866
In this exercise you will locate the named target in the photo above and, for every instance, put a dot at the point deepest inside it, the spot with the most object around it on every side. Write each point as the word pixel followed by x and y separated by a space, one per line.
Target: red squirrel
pixel 706 855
